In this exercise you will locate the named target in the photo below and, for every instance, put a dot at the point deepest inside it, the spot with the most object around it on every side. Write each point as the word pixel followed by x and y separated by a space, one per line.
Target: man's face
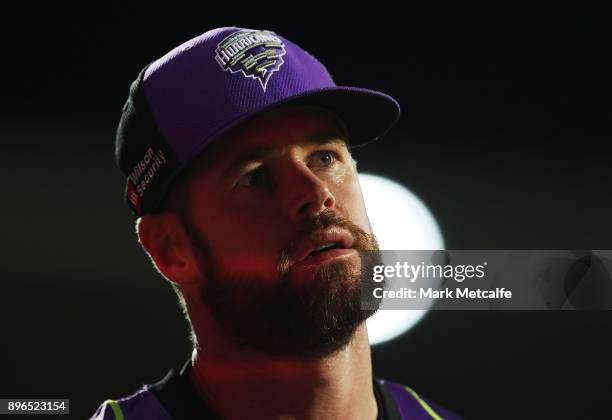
pixel 277 219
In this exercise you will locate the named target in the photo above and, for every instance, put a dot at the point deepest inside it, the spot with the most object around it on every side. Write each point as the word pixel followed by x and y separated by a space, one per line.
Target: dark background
pixel 505 135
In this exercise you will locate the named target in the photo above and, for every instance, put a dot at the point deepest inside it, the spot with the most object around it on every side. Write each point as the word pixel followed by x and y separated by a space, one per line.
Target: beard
pixel 284 317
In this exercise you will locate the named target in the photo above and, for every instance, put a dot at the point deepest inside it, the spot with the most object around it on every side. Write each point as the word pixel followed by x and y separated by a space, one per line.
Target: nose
pixel 307 194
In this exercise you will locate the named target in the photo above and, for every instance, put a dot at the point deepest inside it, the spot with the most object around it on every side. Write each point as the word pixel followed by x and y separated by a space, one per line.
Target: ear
pixel 166 242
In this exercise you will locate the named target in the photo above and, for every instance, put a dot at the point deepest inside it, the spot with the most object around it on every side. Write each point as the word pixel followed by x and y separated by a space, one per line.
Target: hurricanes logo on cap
pixel 257 54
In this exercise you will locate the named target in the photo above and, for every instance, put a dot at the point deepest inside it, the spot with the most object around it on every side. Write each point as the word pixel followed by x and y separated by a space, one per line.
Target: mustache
pixel 326 219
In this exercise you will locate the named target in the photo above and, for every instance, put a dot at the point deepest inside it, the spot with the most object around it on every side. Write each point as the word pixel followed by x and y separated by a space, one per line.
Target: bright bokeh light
pixel 401 221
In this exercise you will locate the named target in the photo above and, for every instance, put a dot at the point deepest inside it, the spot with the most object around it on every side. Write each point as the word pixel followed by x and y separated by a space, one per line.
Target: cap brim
pixel 367 114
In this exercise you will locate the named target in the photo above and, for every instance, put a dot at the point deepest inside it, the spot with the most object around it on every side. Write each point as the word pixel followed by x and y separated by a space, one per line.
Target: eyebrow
pixel 258 153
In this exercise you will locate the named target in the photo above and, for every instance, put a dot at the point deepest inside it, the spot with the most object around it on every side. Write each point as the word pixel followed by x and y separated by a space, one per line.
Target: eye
pixel 253 179
pixel 323 158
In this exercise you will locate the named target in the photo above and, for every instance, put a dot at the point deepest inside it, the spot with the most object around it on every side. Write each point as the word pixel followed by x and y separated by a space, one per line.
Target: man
pixel 235 149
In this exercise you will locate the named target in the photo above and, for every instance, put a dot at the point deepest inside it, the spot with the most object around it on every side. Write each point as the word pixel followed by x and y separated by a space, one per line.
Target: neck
pixel 238 384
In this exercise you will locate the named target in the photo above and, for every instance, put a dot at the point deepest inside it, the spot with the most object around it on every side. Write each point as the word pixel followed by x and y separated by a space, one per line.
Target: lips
pixel 323 241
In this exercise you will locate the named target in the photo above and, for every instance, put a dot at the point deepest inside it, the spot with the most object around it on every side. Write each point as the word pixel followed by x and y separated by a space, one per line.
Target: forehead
pixel 290 125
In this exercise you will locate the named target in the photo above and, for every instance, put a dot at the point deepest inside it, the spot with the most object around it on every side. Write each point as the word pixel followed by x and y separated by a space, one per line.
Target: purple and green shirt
pixel 175 398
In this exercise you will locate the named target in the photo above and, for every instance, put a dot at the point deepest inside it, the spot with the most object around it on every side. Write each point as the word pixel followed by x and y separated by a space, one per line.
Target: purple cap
pixel 186 99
